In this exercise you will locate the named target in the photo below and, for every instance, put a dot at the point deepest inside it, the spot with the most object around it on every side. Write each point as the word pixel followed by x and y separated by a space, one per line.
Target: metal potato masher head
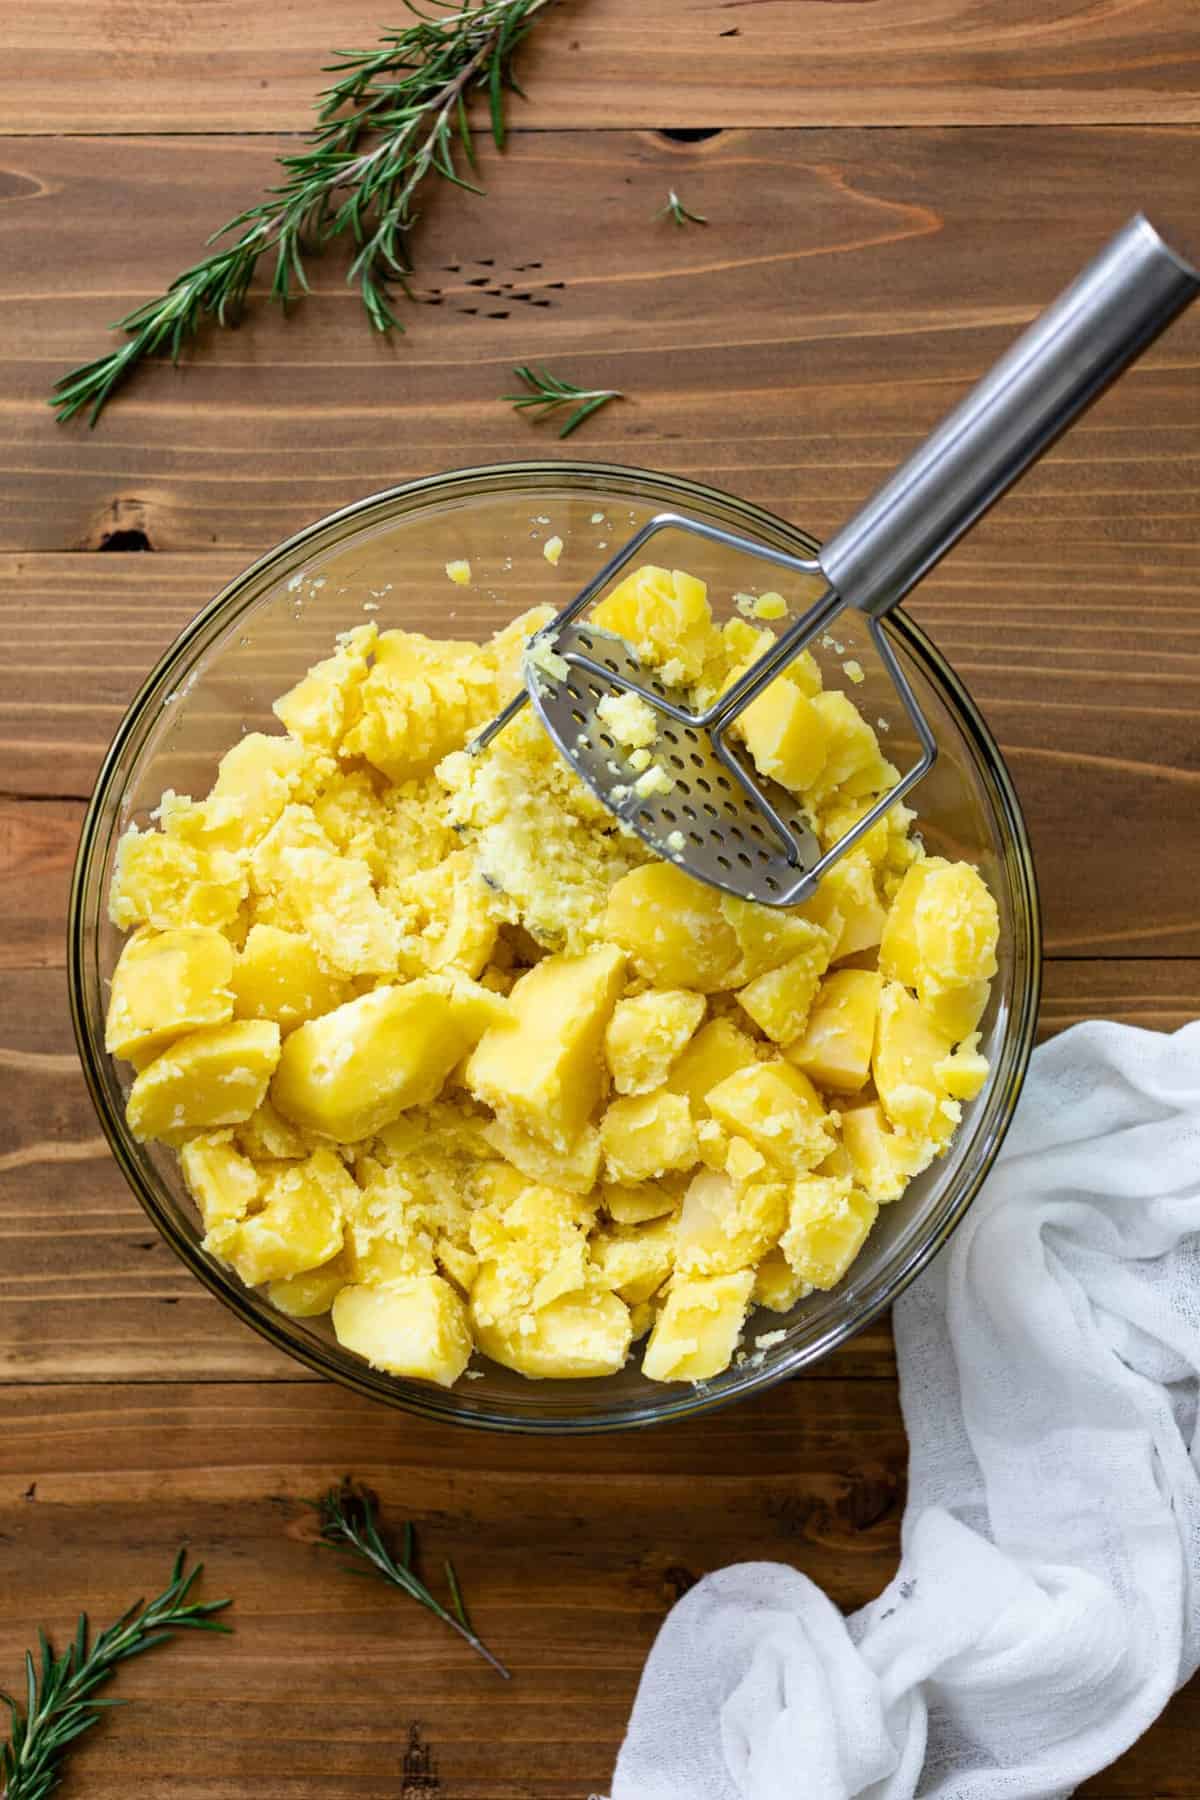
pixel 721 820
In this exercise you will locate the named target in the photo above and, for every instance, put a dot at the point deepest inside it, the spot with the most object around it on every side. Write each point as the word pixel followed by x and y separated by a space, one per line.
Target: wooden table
pixel 893 190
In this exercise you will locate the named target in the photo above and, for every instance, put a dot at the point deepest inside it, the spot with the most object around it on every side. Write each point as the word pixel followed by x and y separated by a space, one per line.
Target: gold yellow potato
pixel 543 1065
pixel 299 1225
pixel 279 975
pixel 351 1072
pixel 167 983
pixel 646 1035
pixel 415 1326
pixel 214 1076
pixel 647 1135
pixel 779 1110
pixel 828 1222
pixel 447 1054
pixel 835 1048
pixel 697 1328
pixel 673 928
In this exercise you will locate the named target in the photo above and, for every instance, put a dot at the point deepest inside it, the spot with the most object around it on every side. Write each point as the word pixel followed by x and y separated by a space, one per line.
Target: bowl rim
pixel 431 1403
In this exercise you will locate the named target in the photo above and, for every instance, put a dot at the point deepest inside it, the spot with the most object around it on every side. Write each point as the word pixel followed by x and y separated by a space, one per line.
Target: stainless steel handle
pixel 1119 304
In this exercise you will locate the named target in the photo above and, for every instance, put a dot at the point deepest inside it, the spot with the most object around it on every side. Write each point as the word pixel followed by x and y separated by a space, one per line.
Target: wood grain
pixel 851 286
pixel 150 65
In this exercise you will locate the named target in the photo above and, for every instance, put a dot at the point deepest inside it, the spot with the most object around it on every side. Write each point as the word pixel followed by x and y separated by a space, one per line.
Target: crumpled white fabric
pixel 1045 1605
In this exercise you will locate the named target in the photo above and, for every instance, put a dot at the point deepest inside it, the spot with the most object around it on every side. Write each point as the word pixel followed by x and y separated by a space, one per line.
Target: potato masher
pixel 722 821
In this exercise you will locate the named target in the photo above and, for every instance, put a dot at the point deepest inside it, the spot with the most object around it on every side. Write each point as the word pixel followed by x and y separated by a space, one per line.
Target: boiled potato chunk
pixel 884 1160
pixel 165 984
pixel 299 1226
pixel 665 615
pixel 637 1205
pixel 415 1327
pixel 725 1226
pixel 847 905
pixel 575 1170
pixel 777 1285
pixel 335 902
pixel 786 736
pixel 312 1293
pixel 835 1049
pixel 648 1135
pixel 767 937
pixel 908 1051
pixel 940 940
pixel 779 1001
pixel 963 1073
pixel 635 1260
pixel 215 1076
pixel 698 1327
pixel 673 927
pixel 779 1110
pixel 647 1034
pixel 254 782
pixel 828 1222
pixel 851 747
pixel 349 1073
pixel 543 1067
pixel 578 1335
pixel 718 1050
pixel 322 704
pixel 223 1183
pixel 279 975
pixel 164 882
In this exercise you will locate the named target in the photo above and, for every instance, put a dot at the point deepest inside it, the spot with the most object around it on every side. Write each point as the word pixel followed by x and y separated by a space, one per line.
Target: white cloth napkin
pixel 1045 1607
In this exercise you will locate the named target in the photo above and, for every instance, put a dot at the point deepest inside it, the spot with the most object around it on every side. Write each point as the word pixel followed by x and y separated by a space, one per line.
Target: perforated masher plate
pixel 721 820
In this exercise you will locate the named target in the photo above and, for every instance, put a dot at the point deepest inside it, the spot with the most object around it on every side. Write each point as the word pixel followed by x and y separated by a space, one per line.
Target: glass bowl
pixel 384 558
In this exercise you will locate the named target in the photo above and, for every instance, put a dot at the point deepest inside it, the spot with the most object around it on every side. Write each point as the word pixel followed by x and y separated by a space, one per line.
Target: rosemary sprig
pixel 676 210
pixel 59 1705
pixel 347 1515
pixel 393 116
pixel 548 392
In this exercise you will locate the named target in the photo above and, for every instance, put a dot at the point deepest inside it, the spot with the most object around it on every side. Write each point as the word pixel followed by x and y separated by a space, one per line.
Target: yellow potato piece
pixel 835 1048
pixel 265 1137
pixel 298 1228
pixel 779 1110
pixel 963 1073
pixel 223 1183
pixel 908 1050
pixel 940 939
pixel 578 1335
pixel 320 706
pixel 777 1285
pixel 163 882
pixel 279 975
pixel 648 1135
pixel 637 1205
pixel 634 1260
pixel 847 905
pixel 312 1293
pixel 828 1223
pixel 779 1001
pixel 646 1035
pixel 665 615
pixel 215 1076
pixel 673 927
pixel 851 747
pixel 786 736
pixel 725 1226
pixel 575 1170
pixel 415 1327
pixel 697 1328
pixel 165 984
pixel 335 903
pixel 718 1050
pixel 409 721
pixel 884 1160
pixel 543 1067
pixel 349 1073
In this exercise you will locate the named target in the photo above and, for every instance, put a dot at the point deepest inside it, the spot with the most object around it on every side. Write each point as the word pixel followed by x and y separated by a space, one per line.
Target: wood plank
pixel 570 1555
pixel 90 1293
pixel 849 288
pixel 566 1577
pixel 646 63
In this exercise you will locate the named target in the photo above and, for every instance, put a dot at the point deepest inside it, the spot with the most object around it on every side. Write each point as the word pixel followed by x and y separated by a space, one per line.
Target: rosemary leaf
pixel 547 392
pixel 348 1521
pixel 393 116
pixel 678 212
pixel 59 1706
